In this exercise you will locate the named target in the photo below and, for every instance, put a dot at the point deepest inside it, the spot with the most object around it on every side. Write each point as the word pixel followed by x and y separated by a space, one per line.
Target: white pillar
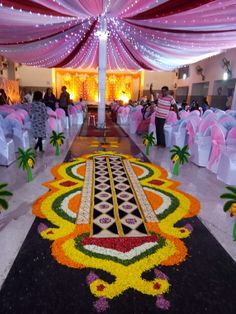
pixel 102 74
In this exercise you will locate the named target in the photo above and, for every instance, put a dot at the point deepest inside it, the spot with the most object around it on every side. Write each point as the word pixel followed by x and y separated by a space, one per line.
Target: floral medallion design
pixel 115 213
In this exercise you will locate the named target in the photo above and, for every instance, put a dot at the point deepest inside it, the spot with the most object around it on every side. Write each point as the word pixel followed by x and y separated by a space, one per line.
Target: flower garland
pixel 125 260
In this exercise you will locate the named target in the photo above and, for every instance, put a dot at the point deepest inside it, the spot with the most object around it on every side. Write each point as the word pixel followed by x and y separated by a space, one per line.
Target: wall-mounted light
pixel 199 71
pixel 184 76
pixel 227 67
pixel 225 76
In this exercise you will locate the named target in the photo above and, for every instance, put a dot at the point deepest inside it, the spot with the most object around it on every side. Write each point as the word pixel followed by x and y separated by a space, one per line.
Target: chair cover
pixel 7 149
pixel 218 135
pixel 227 165
pixel 135 118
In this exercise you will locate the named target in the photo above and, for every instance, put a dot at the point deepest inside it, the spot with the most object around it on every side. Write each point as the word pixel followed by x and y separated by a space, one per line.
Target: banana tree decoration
pixel 230 205
pixel 148 141
pixel 26 161
pixel 3 194
pixel 57 139
pixel 179 156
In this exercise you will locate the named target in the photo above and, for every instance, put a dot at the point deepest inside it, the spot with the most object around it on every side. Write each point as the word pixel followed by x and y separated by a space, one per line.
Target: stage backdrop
pixel 11 88
pixel 122 86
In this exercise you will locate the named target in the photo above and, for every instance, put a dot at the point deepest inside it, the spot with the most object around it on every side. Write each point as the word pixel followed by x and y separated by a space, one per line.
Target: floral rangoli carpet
pixel 112 212
pixel 115 235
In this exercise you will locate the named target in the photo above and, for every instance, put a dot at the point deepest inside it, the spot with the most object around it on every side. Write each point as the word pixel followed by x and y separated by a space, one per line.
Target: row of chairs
pixel 211 136
pixel 15 127
pixel 211 140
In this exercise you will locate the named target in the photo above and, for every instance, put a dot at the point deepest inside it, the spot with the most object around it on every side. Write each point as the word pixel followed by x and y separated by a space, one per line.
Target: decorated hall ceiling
pixel 143 34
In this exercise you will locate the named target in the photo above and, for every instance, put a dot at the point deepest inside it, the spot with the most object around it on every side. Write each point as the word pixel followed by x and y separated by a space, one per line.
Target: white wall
pixel 31 76
pixel 159 79
pixel 212 70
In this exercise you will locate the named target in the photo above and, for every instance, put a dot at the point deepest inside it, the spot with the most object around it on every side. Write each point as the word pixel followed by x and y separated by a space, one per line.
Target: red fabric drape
pixel 169 8
pixel 31 6
pixel 77 48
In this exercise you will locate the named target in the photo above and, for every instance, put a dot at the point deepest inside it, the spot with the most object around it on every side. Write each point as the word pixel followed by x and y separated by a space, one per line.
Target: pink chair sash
pixel 183 114
pixel 52 124
pixel 218 138
pixel 15 116
pixel 171 118
pixel 51 113
pixel 60 113
pixel 72 110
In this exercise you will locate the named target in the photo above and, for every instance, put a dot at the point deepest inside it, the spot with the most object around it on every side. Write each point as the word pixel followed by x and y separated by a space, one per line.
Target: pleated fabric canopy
pixel 143 34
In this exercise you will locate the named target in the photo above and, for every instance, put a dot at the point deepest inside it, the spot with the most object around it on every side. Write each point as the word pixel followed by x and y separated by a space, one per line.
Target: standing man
pixel 64 99
pixel 164 103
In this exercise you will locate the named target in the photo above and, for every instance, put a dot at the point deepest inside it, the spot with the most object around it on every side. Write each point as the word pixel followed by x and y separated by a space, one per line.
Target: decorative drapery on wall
pixel 11 88
pixel 85 85
pixel 143 34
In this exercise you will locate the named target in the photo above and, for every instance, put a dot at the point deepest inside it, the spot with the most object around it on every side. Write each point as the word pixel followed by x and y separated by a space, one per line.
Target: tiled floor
pixel 15 223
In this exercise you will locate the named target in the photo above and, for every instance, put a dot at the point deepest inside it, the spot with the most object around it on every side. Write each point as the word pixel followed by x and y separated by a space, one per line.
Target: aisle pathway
pixel 109 216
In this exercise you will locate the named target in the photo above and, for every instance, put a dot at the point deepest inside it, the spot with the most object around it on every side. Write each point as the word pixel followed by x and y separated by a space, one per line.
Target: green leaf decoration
pixel 234 232
pixel 3 203
pixel 228 205
pixel 26 160
pixel 148 140
pixel 228 196
pixel 3 194
pixel 56 140
pixel 232 189
pixel 231 197
pixel 182 153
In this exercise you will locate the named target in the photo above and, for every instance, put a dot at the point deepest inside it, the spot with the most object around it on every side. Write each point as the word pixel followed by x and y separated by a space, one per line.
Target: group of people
pixel 50 100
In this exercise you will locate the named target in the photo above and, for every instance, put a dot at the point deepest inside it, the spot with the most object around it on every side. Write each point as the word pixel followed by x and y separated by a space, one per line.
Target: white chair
pixel 123 115
pixel 152 126
pixel 14 129
pixel 7 149
pixel 72 113
pixel 61 115
pixel 135 118
pixel 201 148
pixel 227 164
pixel 179 133
pixel 170 125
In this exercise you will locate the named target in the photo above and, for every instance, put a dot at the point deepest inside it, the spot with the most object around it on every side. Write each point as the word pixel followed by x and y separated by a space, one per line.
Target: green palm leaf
pixel 232 189
pixel 3 203
pixel 228 196
pixel 234 232
pixel 5 193
pixel 228 205
pixel 3 185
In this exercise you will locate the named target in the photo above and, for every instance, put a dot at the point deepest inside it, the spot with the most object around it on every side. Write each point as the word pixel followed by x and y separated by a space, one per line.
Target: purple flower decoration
pixel 189 227
pixel 101 305
pixel 159 274
pixel 162 303
pixel 91 278
pixel 42 227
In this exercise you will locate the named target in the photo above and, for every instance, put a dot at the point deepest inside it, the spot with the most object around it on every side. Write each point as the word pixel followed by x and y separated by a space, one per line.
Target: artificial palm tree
pixel 3 194
pixel 148 140
pixel 26 161
pixel 57 139
pixel 230 205
pixel 179 156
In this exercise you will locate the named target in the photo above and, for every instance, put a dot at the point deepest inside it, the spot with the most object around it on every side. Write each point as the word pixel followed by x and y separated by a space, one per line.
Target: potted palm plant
pixel 148 141
pixel 26 161
pixel 230 205
pixel 57 139
pixel 3 194
pixel 179 156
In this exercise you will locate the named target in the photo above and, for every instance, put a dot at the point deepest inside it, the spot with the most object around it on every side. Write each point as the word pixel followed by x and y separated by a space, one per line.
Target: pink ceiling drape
pixel 149 34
